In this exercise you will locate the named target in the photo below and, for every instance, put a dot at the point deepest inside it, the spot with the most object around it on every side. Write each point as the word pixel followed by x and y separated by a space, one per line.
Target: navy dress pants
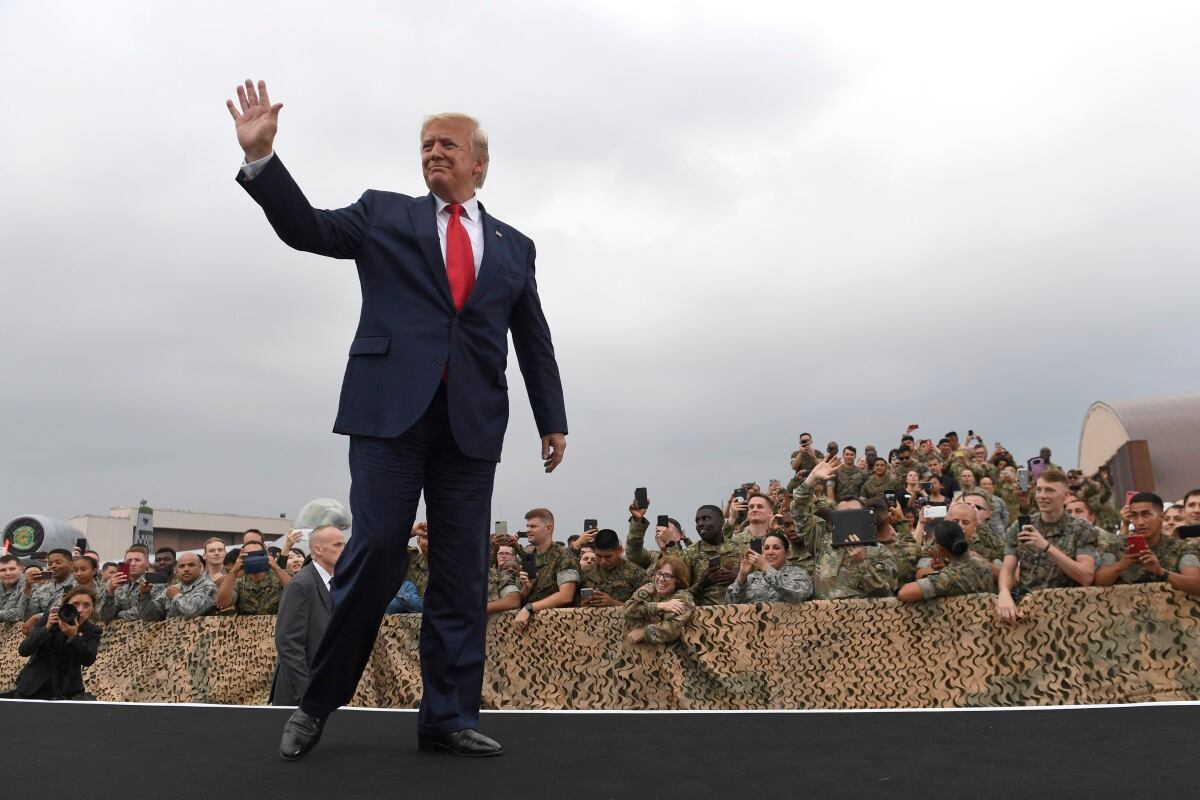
pixel 387 478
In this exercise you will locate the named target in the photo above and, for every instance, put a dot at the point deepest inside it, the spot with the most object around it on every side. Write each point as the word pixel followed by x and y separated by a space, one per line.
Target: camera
pixel 255 563
pixel 68 614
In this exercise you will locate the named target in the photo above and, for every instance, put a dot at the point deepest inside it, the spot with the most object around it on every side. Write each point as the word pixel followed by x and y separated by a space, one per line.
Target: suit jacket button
pixel 440 361
pixel 455 320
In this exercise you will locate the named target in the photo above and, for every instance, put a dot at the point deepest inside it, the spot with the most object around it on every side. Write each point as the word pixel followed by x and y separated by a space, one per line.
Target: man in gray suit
pixel 303 615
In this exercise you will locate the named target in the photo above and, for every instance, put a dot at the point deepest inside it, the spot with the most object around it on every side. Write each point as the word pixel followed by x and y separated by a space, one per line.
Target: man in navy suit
pixel 425 404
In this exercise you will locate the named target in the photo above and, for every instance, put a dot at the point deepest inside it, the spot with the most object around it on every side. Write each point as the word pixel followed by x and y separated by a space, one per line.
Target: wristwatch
pixel 529 608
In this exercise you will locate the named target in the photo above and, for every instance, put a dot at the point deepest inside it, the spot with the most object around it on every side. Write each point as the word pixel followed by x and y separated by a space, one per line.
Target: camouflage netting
pixel 1124 644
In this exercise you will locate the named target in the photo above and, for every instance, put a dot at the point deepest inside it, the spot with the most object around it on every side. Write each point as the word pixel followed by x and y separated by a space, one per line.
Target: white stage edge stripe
pixel 343 710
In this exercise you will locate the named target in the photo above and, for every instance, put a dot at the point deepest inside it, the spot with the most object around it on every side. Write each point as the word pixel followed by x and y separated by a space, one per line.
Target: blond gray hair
pixel 475 134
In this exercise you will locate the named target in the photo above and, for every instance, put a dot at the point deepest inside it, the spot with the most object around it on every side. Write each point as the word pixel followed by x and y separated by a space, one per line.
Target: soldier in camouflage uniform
pixel 613 579
pixel 194 596
pixel 840 572
pixel 84 570
pixel 1056 550
pixel 806 457
pixel 257 593
pixel 849 479
pixel 962 573
pixel 123 596
pixel 1165 558
pixel 12 588
pixel 556 584
pixel 418 559
pixel 39 596
pixel 879 481
pixel 635 549
pixel 713 561
pixel 503 592
pixel 661 610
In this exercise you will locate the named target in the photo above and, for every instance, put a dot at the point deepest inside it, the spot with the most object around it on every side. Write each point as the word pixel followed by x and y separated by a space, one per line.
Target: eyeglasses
pixel 663 576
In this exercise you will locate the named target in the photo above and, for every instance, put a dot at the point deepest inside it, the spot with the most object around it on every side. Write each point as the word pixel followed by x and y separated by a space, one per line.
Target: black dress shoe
pixel 300 734
pixel 461 743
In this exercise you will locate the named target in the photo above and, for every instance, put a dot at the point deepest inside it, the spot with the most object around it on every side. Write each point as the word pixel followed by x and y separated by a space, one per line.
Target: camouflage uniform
pixel 45 595
pixel 698 556
pixel 194 600
pixel 256 598
pixel 875 486
pixel 1173 555
pixel 835 575
pixel 988 544
pixel 906 556
pixel 619 584
pixel 808 459
pixel 960 576
pixel 660 626
pixel 635 551
pixel 418 570
pixel 902 467
pixel 125 601
pixel 1008 495
pixel 848 482
pixel 788 585
pixel 10 602
pixel 555 567
pixel 500 584
pixel 1071 535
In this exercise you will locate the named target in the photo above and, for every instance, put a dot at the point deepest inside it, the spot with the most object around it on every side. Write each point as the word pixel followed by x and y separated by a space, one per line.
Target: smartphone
pixel 1037 465
pixel 123 568
pixel 715 561
pixel 740 493
pixel 529 565
pixel 1023 520
pixel 663 520
pixel 640 498
pixel 1187 531
pixel 889 497
pixel 501 526
pixel 1129 496
pixel 44 575
pixel 1023 479
pixel 81 545
pixel 935 512
pixel 756 545
pixel 970 434
pixel 927 487
pixel 585 593
pixel 157 577
pixel 590 524
pixel 1135 543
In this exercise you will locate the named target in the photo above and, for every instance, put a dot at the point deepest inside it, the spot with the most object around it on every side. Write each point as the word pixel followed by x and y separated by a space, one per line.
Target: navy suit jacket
pixel 408 328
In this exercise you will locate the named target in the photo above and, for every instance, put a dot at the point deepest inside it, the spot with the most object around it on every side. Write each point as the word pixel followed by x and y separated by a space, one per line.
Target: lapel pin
pixel 498 233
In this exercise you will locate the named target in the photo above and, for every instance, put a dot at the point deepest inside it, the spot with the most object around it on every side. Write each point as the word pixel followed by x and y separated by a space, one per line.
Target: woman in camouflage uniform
pixel 662 609
pixel 767 577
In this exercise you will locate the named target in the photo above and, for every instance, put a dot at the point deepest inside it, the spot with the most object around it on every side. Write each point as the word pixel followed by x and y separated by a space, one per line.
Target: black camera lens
pixel 68 614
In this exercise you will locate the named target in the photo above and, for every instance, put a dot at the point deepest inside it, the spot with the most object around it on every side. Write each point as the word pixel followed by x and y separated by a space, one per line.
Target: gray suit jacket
pixel 303 616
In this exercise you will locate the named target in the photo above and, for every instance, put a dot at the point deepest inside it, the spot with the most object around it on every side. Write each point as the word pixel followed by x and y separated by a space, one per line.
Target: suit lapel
pixel 422 213
pixel 490 262
pixel 322 591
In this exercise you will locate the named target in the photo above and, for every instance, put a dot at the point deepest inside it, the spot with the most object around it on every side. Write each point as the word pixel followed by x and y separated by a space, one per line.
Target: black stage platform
pixel 132 752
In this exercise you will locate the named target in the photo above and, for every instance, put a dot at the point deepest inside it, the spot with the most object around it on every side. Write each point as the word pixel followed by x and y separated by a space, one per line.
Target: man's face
pixel 164 562
pixel 423 542
pixel 708 525
pixel 967 479
pixel 1051 496
pixel 106 573
pixel 987 485
pixel 59 566
pixel 1147 520
pixel 880 467
pixel 608 560
pixel 758 510
pixel 10 573
pixel 848 457
pixel 540 531
pixel 448 161
pixel 214 553
pixel 926 447
pixel 188 568
pixel 945 448
pixel 327 547
pixel 805 442
pixel 935 466
pixel 1078 508
pixel 1191 510
pixel 247 538
pixel 981 506
pixel 1045 454
pixel 505 556
pixel 965 515
pixel 83 570
pixel 979 454
pixel 587 558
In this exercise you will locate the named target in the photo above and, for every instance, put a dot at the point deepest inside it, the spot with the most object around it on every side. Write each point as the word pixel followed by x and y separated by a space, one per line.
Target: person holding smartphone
pixel 613 579
pixel 126 589
pixel 766 577
pixel 194 596
pixel 60 643
pixel 713 560
pixel 12 587
pixel 1052 548
pixel 660 610
pixel 1146 555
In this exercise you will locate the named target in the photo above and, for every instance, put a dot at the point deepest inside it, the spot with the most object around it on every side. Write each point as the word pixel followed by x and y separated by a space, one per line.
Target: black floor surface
pixel 183 752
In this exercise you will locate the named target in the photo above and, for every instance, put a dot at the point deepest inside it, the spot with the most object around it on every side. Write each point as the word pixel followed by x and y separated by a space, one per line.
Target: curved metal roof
pixel 1169 424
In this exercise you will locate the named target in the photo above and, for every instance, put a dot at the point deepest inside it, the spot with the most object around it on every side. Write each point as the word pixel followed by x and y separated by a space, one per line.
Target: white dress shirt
pixel 325 576
pixel 472 219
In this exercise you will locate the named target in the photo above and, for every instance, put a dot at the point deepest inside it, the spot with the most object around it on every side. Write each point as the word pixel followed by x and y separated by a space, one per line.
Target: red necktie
pixel 460 260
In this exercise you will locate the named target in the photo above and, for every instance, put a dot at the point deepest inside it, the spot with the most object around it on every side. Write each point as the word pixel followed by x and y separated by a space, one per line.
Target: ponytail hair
pixel 949 535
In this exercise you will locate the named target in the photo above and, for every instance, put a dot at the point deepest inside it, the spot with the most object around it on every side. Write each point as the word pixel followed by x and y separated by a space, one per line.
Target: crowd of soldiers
pixel 950 518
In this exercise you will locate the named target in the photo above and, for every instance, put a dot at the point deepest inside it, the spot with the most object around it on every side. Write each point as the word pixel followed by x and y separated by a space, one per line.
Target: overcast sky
pixel 751 220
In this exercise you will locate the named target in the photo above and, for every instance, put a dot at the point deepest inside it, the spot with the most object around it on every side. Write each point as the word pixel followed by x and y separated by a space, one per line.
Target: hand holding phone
pixel 1136 544
pixel 640 498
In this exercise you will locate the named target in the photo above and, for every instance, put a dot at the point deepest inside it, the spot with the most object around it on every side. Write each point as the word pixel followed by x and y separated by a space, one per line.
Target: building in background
pixel 1150 445
pixel 183 530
